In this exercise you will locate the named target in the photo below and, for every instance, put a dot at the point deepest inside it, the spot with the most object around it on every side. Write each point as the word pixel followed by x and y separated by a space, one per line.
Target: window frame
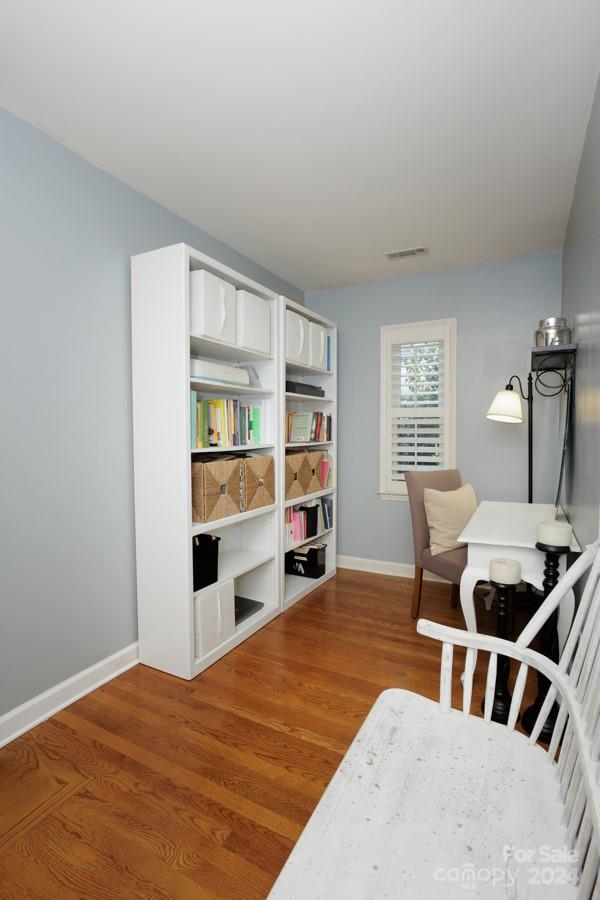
pixel 409 333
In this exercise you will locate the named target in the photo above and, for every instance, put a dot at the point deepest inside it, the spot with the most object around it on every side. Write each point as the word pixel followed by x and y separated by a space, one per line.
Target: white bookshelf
pixel 295 587
pixel 251 545
pixel 169 611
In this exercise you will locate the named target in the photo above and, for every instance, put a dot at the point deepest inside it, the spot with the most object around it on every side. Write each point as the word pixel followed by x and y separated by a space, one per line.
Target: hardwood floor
pixel 152 787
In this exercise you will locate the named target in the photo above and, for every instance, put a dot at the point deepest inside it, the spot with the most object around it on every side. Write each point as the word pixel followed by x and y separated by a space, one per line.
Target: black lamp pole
pixel 528 397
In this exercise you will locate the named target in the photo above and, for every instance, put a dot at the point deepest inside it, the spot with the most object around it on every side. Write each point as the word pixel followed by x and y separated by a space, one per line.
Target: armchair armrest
pixel 475 641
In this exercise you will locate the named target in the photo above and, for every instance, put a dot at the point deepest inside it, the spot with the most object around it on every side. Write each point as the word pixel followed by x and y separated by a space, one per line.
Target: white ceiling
pixel 314 135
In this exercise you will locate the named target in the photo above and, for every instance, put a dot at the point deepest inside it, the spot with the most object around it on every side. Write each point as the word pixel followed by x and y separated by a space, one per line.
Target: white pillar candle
pixel 554 534
pixel 505 571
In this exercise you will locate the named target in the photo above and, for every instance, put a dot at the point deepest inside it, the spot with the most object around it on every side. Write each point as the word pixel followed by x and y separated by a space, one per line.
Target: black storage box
pixel 298 387
pixel 308 561
pixel 205 555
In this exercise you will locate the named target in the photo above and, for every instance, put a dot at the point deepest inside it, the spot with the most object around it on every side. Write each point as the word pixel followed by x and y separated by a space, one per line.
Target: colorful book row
pixel 307 427
pixel 223 423
pixel 306 521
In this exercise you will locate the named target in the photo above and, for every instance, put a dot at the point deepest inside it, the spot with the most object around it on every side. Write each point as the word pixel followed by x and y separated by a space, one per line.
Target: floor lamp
pixel 557 362
pixel 507 407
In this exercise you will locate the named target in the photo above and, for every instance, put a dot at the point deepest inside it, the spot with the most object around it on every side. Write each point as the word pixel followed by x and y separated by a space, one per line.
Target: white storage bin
pixel 214 617
pixel 212 307
pixel 253 322
pixel 296 338
pixel 317 345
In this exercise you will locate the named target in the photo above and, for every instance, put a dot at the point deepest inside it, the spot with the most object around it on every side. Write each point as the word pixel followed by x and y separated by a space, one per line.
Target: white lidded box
pixel 317 345
pixel 296 338
pixel 214 617
pixel 253 322
pixel 212 306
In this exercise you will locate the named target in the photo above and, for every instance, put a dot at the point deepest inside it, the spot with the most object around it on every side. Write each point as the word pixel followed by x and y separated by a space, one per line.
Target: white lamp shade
pixel 506 407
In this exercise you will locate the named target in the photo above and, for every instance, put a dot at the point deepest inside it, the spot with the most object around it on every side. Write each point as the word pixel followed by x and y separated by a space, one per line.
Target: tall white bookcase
pixel 252 545
pixel 294 586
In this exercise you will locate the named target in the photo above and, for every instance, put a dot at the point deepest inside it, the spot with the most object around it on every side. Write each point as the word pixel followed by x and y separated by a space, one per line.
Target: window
pixel 418 375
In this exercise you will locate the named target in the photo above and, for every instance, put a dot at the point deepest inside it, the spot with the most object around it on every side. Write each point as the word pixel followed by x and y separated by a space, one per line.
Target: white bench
pixel 430 800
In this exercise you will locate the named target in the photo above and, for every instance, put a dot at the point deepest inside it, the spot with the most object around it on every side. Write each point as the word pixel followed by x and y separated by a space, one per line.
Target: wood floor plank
pixel 153 787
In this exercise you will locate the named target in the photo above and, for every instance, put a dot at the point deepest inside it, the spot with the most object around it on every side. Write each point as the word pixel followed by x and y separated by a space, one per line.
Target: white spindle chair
pixel 429 800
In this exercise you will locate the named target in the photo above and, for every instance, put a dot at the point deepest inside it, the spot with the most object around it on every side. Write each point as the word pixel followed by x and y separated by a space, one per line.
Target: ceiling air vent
pixel 403 254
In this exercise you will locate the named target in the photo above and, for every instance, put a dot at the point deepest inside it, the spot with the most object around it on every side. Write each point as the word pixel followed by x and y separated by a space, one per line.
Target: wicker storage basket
pixel 258 482
pixel 314 459
pixel 216 489
pixel 297 475
pixel 197 491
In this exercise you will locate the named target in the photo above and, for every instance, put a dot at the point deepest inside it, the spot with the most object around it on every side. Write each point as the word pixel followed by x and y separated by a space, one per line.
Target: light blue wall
pixel 67 577
pixel 498 307
pixel 581 306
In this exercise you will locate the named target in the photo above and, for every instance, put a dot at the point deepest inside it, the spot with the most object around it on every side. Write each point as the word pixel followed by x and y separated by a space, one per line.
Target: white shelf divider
pixel 233 563
pixel 217 524
pixel 309 540
pixel 225 387
pixel 296 501
pixel 211 348
pixel 290 395
pixel 308 444
pixel 243 448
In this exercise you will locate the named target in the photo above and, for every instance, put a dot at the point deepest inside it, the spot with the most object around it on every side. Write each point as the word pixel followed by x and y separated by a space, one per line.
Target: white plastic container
pixel 214 617
pixel 296 344
pixel 317 345
pixel 253 322
pixel 212 371
pixel 212 305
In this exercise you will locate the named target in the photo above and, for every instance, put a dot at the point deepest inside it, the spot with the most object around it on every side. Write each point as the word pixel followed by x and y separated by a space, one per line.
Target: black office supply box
pixel 307 561
pixel 205 555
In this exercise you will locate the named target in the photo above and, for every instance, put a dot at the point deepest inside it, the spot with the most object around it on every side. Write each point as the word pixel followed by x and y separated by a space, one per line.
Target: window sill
pixel 384 495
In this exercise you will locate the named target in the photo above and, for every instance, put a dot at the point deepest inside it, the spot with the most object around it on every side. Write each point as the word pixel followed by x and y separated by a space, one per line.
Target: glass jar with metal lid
pixel 552 332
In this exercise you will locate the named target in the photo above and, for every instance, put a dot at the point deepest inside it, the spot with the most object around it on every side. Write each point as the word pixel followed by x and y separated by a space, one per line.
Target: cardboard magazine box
pixel 314 459
pixel 258 482
pixel 297 474
pixel 216 488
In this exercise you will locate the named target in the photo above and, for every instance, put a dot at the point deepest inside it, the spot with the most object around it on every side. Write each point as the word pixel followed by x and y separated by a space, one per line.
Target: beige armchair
pixel 448 565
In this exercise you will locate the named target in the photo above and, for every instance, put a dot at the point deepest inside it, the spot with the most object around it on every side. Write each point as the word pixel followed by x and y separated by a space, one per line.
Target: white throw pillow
pixel 447 514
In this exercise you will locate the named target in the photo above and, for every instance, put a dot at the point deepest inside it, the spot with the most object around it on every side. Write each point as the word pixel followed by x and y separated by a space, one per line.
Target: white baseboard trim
pixel 21 719
pixel 381 567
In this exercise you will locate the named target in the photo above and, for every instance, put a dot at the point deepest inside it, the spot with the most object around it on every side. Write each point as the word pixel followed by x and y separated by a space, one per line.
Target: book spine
pixel 193 404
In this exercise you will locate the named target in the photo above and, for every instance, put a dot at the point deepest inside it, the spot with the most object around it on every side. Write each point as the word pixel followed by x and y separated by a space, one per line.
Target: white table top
pixel 509 524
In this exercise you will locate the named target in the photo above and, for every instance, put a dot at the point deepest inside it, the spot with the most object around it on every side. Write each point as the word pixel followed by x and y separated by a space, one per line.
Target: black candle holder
pixel 502 695
pixel 548 645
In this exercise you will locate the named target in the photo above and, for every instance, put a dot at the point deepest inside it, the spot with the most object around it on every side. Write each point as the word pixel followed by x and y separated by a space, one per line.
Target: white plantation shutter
pixel 417 400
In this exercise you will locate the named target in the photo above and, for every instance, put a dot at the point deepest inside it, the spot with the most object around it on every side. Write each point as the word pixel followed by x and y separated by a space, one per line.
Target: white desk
pixel 508 530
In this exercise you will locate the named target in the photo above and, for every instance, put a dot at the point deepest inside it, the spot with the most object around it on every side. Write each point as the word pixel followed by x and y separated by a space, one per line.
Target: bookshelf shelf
pixel 297 587
pixel 309 540
pixel 211 348
pixel 242 448
pixel 224 387
pixel 236 562
pixel 290 395
pixel 309 444
pixel 300 369
pixel 217 524
pixel 298 500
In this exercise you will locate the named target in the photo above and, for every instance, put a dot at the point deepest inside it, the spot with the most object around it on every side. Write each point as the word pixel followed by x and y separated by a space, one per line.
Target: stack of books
pixel 306 521
pixel 223 423
pixel 303 428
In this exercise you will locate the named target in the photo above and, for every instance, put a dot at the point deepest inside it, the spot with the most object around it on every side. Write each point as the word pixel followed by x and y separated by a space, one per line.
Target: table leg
pixel 549 646
pixel 502 696
pixel 467 602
